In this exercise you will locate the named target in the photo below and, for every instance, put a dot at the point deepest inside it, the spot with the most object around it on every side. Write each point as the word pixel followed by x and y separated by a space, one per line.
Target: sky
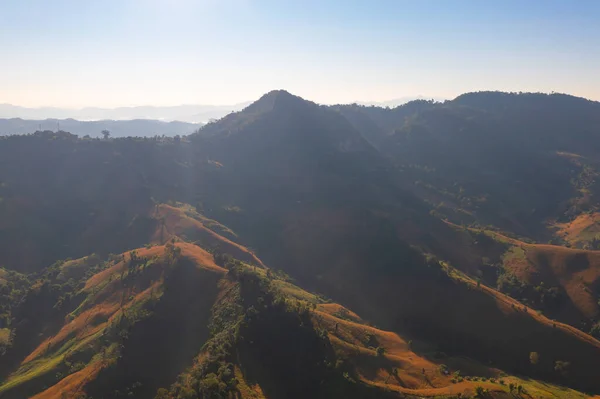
pixel 109 53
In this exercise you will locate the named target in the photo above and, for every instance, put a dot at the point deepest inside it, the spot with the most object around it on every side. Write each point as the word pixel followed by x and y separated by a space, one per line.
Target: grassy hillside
pixel 560 282
pixel 134 311
pixel 582 232
pixel 146 290
pixel 328 344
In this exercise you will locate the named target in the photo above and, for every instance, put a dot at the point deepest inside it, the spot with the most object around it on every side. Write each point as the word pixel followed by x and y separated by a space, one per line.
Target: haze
pixel 113 53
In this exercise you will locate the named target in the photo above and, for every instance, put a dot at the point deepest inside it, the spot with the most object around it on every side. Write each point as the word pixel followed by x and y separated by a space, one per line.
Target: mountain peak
pixel 275 99
pixel 277 93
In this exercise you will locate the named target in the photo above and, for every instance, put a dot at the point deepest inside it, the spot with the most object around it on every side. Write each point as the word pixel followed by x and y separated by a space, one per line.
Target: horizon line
pixel 405 99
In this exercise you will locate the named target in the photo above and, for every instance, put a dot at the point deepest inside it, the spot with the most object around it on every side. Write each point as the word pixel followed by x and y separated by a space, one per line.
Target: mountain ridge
pixel 184 113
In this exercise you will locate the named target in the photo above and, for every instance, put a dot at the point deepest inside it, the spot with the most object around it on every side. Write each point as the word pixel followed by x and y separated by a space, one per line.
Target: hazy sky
pixel 78 53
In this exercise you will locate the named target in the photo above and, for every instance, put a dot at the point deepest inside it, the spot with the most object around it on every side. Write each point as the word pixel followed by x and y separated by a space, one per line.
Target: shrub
pixel 348 377
pixel 561 367
pixel 162 393
pixel 595 330
pixel 210 383
pixel 534 358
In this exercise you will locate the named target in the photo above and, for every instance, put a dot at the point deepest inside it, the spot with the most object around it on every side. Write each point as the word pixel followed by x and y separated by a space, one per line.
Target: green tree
pixel 595 330
pixel 105 134
pixel 480 392
pixel 562 367
pixel 162 393
pixel 534 358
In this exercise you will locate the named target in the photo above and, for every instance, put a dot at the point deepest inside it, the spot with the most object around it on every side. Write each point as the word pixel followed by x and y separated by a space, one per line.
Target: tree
pixel 106 134
pixel 162 393
pixel 534 358
pixel 480 392
pixel 562 367
pixel 595 330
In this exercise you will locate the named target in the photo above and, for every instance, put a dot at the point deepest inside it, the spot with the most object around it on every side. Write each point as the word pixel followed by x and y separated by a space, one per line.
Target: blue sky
pixel 167 52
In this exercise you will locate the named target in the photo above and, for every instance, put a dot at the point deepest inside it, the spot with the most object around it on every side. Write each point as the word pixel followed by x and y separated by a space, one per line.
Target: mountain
pixel 183 113
pixel 117 128
pixel 397 101
pixel 519 162
pixel 294 250
pixel 506 164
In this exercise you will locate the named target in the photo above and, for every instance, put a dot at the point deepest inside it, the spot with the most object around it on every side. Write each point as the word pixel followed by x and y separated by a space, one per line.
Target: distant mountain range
pixel 183 113
pixel 139 121
pixel 398 101
pixel 117 128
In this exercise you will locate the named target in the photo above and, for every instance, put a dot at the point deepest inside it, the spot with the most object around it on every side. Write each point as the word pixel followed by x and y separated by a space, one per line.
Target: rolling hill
pixel 129 315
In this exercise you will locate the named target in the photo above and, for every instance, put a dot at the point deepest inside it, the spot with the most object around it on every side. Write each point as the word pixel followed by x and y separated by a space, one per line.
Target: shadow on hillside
pixel 161 346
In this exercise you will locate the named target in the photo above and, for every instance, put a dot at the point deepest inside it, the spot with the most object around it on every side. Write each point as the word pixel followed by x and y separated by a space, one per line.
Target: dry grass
pixel 246 389
pixel 178 223
pixel 340 312
pixel 580 231
pixel 402 370
pixel 72 385
pixel 295 292
pixel 510 305
pixel 4 337
pixel 576 271
pixel 356 342
pixel 107 299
